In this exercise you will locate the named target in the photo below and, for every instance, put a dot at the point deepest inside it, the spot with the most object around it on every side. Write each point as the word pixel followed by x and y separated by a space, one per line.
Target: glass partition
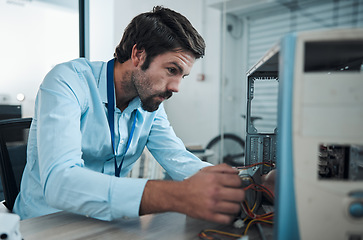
pixel 36 35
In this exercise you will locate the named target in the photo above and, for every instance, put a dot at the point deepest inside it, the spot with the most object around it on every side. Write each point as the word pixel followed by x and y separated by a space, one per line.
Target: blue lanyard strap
pixel 111 102
pixel 118 168
pixel 110 116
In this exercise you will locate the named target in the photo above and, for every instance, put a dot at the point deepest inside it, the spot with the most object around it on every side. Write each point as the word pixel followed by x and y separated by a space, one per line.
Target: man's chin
pixel 150 107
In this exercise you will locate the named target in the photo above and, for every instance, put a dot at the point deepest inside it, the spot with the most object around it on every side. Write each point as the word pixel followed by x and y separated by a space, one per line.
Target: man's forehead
pixel 181 58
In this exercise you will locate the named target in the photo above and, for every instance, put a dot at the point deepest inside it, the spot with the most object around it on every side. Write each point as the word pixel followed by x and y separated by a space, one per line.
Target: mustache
pixel 166 94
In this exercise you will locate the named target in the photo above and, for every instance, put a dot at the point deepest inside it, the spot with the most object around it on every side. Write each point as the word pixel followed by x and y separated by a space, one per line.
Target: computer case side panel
pixel 286 225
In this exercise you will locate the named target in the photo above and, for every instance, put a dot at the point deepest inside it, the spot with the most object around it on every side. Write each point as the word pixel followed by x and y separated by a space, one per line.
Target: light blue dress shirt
pixel 70 163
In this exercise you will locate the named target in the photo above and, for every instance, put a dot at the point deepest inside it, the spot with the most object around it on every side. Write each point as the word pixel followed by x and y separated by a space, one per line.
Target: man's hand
pixel 213 194
pixel 268 180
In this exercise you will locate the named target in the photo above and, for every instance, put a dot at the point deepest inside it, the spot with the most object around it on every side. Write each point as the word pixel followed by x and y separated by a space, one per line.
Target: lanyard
pixel 111 118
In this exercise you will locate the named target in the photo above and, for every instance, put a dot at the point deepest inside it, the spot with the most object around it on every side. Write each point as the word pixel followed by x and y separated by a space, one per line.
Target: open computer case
pixel 305 114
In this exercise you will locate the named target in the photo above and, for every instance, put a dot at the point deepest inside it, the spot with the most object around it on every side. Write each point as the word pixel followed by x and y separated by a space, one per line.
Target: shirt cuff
pixel 125 195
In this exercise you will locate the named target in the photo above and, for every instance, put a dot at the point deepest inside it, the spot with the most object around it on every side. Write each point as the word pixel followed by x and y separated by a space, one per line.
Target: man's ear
pixel 137 56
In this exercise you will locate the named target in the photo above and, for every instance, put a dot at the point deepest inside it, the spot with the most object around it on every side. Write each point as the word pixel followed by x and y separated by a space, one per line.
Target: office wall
pixel 101 30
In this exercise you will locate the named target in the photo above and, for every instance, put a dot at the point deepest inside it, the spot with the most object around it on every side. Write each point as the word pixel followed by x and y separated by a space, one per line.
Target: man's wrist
pixel 162 196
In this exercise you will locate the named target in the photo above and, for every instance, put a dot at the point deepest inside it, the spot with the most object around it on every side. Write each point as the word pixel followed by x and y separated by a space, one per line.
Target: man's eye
pixel 172 70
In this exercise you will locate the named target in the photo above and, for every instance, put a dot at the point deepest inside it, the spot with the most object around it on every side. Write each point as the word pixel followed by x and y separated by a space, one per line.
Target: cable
pixel 268 164
pixel 251 215
pixel 204 234
pixel 255 221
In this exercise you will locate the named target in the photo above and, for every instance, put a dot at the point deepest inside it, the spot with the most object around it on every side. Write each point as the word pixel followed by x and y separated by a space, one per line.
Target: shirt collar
pixel 102 84
pixel 133 104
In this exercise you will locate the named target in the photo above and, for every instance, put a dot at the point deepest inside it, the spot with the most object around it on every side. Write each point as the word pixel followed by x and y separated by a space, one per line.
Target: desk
pixel 69 226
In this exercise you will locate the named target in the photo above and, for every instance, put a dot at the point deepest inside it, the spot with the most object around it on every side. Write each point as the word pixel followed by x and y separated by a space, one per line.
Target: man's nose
pixel 173 86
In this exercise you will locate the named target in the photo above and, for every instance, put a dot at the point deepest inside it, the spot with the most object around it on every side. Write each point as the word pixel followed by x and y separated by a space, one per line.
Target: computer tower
pixel 318 142
pixel 320 136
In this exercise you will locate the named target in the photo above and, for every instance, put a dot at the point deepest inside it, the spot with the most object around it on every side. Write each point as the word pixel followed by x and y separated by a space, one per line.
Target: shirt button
pixel 122 141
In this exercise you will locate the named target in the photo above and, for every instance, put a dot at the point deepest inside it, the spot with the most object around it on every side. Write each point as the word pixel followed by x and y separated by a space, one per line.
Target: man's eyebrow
pixel 180 69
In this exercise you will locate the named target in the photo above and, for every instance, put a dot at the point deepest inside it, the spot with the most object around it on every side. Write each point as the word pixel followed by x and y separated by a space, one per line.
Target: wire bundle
pixel 212 234
pixel 267 164
pixel 250 214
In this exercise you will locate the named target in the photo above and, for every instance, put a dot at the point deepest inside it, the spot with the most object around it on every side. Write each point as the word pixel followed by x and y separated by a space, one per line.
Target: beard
pixel 149 101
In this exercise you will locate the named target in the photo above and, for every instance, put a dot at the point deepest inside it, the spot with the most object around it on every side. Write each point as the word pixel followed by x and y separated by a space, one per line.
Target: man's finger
pixel 230 195
pixel 221 168
pixel 229 180
pixel 226 207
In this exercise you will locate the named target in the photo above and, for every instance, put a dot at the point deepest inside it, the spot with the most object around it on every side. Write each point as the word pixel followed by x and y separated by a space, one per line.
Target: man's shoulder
pixel 81 65
pixel 77 69
pixel 76 74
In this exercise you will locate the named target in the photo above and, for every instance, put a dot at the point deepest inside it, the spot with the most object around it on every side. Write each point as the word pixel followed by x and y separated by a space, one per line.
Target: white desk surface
pixel 70 226
pixel 170 226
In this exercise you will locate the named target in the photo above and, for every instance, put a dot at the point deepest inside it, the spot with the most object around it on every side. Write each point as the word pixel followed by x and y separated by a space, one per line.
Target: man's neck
pixel 124 88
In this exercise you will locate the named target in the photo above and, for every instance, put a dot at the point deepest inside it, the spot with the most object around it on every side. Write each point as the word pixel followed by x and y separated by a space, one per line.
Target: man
pixel 93 119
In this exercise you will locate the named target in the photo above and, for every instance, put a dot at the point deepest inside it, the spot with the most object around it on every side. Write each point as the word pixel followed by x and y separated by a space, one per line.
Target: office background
pixel 37 34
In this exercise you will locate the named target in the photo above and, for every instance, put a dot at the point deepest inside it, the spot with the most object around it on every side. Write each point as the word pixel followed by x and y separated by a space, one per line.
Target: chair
pixel 13 143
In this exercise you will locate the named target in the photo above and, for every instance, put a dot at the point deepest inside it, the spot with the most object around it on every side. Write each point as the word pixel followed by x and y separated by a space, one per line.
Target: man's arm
pixel 169 150
pixel 212 194
pixel 71 147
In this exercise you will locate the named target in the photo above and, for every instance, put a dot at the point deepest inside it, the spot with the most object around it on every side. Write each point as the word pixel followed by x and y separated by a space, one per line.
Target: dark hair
pixel 157 32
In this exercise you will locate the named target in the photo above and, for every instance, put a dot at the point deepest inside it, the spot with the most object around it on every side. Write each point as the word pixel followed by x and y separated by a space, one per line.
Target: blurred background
pixel 38 34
